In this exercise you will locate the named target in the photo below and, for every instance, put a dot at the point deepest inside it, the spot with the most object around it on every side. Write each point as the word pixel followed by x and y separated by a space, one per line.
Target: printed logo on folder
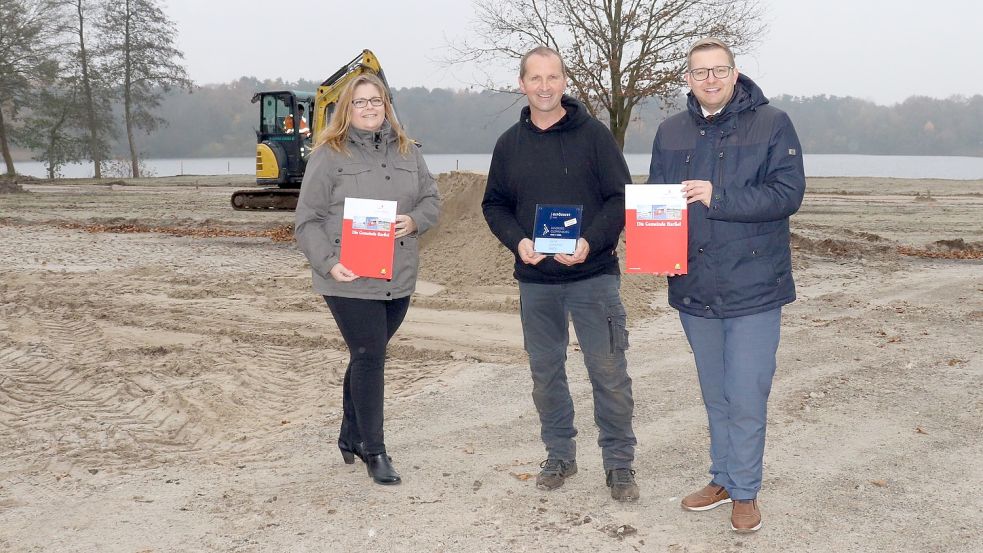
pixel 655 229
pixel 368 237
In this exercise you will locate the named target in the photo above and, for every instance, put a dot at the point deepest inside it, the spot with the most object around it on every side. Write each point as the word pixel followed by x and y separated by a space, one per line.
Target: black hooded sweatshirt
pixel 576 161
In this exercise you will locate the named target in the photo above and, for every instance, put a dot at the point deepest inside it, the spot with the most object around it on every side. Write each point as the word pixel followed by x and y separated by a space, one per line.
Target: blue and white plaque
pixel 557 228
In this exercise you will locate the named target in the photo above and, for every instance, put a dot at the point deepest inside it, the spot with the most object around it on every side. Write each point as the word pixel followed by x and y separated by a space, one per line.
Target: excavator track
pixel 269 199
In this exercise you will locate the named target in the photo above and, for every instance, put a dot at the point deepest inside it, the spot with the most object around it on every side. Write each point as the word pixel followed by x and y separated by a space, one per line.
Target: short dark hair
pixel 709 43
pixel 541 51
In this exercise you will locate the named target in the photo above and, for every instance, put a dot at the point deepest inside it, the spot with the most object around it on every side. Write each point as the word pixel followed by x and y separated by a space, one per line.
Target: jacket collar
pixel 384 135
pixel 575 117
pixel 747 96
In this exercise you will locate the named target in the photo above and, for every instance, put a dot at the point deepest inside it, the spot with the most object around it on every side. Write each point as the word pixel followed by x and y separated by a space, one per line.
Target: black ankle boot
pixel 381 469
pixel 349 452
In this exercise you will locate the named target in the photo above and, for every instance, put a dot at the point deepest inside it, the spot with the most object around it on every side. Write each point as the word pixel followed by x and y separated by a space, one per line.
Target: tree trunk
pixel 94 148
pixel 134 162
pixel 5 148
pixel 127 95
pixel 619 118
pixel 53 142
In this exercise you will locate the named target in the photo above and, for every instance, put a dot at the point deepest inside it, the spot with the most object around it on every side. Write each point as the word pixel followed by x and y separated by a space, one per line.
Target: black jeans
pixel 366 326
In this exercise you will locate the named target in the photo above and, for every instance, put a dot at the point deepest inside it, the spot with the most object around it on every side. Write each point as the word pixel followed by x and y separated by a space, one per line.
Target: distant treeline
pixel 219 121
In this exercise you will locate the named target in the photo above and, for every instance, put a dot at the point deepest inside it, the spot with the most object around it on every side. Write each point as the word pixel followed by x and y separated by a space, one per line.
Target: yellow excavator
pixel 284 139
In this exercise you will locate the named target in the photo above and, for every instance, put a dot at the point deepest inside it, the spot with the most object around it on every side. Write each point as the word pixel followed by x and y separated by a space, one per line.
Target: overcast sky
pixel 884 51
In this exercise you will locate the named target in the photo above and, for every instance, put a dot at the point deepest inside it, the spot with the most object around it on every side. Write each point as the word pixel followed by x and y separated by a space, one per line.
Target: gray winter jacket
pixel 373 169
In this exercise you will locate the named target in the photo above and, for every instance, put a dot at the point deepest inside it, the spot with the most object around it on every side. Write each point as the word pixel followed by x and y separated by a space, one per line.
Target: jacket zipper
pixel 720 161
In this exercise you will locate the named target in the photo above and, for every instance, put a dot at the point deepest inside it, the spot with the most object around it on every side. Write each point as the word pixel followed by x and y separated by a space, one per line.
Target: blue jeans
pixel 599 320
pixel 735 360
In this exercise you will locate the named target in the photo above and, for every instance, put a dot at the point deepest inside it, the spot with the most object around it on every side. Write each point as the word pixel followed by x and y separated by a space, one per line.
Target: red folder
pixel 655 230
pixel 368 237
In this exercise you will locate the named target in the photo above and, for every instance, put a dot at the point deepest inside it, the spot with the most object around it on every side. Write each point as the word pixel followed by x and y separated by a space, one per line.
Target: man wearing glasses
pixel 740 164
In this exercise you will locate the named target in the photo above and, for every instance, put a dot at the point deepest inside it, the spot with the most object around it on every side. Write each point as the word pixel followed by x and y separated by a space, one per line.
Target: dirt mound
pixel 9 184
pixel 947 249
pixel 281 233
pixel 461 251
pixel 643 295
pixel 861 244
pixel 958 245
pixel 834 247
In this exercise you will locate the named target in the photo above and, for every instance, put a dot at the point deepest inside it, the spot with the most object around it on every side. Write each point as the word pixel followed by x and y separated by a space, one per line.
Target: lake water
pixel 818 165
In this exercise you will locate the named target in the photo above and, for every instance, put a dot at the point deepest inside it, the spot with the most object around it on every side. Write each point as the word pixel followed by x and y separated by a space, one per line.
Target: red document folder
pixel 368 237
pixel 655 229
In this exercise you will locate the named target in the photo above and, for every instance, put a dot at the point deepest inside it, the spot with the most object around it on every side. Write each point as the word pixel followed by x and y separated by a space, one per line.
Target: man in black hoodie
pixel 558 154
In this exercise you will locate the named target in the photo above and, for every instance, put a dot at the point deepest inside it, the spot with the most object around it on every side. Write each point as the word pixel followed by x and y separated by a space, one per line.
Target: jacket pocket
pixel 750 272
pixel 405 181
pixel 349 174
pixel 409 166
pixel 406 261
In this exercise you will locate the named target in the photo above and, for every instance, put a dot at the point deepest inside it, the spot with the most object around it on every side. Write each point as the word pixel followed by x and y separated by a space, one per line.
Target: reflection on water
pixel 819 165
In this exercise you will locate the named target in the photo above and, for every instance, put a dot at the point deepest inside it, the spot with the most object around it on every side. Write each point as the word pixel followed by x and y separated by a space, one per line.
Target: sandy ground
pixel 178 390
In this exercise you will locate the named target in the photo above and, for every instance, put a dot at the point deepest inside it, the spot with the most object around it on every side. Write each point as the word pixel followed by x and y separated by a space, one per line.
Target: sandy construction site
pixel 170 383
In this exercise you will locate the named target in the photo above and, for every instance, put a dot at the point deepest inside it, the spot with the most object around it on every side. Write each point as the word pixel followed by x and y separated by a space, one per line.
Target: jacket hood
pixel 576 116
pixel 747 95
pixel 384 135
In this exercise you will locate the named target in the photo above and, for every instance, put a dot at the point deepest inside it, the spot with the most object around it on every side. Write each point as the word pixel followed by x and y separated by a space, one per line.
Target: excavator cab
pixel 289 121
pixel 283 140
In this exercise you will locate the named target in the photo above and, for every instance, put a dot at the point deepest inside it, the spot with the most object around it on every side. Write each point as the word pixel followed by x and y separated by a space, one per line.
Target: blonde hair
pixel 335 134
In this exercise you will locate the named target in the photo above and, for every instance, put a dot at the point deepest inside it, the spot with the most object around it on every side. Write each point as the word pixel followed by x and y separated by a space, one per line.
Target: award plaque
pixel 557 228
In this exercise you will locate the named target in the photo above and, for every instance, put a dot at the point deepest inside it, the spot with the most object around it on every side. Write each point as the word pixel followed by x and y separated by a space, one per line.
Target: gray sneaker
pixel 622 484
pixel 554 472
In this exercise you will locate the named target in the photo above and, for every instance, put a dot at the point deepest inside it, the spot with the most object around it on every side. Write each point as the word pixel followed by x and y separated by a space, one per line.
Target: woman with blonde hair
pixel 364 153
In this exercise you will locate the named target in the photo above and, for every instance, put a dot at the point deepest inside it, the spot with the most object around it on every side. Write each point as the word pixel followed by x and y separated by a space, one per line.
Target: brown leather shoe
pixel 745 518
pixel 709 497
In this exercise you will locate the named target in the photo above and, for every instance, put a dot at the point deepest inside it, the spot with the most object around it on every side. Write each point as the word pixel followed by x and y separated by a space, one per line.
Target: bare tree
pixel 24 62
pixel 144 63
pixel 618 52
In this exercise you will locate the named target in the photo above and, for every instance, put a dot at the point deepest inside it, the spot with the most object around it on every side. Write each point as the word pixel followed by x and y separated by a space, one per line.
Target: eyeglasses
pixel 377 101
pixel 719 71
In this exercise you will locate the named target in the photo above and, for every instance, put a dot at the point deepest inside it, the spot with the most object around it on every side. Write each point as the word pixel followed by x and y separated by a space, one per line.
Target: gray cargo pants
pixel 599 320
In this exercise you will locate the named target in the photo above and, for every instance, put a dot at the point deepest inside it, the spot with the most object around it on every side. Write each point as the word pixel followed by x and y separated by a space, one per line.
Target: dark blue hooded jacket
pixel 740 262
